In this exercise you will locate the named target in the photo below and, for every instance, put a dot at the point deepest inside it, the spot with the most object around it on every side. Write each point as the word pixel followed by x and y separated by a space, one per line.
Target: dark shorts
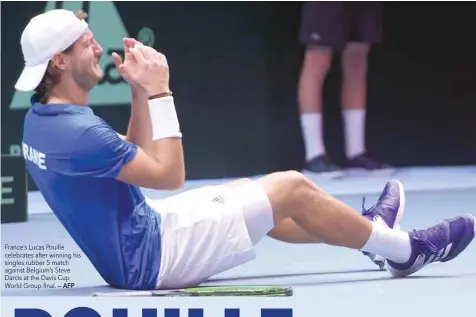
pixel 335 23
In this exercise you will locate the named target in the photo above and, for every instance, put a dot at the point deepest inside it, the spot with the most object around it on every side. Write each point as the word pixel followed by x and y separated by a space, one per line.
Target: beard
pixel 88 76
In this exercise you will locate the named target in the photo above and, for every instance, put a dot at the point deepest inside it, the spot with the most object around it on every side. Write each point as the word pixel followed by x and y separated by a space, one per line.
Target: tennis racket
pixel 239 290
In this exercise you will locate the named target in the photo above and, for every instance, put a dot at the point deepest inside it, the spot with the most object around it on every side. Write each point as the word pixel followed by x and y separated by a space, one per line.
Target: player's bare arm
pixel 154 127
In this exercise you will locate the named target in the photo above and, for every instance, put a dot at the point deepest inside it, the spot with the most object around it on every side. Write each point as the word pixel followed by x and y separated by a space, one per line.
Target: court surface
pixel 332 281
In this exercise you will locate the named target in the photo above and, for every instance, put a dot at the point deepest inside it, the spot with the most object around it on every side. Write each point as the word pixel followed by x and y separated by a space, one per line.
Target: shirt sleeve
pixel 100 152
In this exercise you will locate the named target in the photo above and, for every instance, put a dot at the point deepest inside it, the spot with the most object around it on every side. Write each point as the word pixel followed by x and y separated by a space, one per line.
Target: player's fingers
pixel 161 57
pixel 117 59
pixel 152 54
pixel 162 60
pixel 138 55
pixel 128 44
pixel 147 51
pixel 136 42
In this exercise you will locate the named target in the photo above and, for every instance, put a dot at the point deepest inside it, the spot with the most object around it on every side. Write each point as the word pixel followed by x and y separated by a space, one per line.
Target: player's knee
pixel 285 181
pixel 317 62
pixel 357 51
pixel 355 57
pixel 287 192
pixel 293 176
pixel 297 190
pixel 297 183
pixel 300 186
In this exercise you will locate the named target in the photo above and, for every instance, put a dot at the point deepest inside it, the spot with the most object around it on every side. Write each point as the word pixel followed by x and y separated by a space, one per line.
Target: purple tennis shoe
pixel 388 211
pixel 440 243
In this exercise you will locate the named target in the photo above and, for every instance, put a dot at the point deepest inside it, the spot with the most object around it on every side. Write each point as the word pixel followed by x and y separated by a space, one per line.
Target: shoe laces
pixel 427 246
pixel 366 212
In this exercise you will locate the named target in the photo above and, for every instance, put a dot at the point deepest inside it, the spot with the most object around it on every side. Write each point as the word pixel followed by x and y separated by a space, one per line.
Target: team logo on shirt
pixel 219 200
pixel 106 24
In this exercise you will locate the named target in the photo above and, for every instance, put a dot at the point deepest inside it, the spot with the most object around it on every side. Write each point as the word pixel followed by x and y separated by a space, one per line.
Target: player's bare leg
pixel 294 196
pixel 320 215
pixel 286 230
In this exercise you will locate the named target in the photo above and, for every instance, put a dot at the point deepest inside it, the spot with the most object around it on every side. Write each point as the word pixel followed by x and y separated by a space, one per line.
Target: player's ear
pixel 59 60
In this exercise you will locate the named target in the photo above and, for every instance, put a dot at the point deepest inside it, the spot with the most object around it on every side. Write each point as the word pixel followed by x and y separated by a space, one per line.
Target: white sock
pixel 311 124
pixel 391 244
pixel 354 131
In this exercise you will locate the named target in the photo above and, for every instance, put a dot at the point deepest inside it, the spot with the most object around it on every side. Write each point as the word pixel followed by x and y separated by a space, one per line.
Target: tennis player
pixel 90 176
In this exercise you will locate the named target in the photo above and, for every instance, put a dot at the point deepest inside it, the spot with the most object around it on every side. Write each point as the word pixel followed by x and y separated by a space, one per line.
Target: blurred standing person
pixel 350 27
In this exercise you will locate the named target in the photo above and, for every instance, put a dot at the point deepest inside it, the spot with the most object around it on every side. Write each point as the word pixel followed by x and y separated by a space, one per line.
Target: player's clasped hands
pixel 143 67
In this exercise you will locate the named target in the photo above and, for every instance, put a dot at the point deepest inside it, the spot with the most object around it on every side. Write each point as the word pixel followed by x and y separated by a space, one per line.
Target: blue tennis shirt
pixel 74 156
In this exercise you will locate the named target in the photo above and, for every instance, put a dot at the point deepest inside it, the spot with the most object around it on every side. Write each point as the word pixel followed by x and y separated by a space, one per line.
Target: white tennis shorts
pixel 209 230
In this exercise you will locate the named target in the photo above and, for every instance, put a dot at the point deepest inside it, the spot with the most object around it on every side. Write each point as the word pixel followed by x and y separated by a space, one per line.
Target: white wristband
pixel 164 119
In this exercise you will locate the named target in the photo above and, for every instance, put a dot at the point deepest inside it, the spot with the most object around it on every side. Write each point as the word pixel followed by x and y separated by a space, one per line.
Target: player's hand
pixel 143 68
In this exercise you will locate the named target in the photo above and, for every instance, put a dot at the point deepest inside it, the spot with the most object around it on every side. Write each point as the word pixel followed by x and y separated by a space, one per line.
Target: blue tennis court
pixel 333 281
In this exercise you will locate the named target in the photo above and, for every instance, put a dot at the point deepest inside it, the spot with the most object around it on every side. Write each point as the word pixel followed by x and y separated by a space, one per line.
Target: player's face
pixel 84 61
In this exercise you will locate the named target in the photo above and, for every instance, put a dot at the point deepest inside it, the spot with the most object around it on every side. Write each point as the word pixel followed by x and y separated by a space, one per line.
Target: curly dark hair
pixel 52 74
